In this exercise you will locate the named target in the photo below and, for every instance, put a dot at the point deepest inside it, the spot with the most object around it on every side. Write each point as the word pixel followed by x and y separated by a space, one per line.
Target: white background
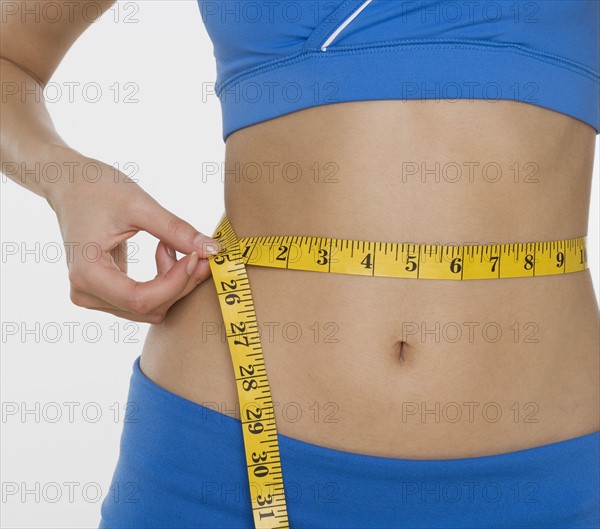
pixel 167 130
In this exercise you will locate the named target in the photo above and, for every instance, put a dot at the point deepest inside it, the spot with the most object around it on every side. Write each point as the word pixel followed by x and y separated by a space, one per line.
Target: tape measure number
pixel 340 256
pixel 416 261
pixel 256 405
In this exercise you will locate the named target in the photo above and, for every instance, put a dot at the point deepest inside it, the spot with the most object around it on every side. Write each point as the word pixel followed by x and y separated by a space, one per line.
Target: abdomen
pixel 404 367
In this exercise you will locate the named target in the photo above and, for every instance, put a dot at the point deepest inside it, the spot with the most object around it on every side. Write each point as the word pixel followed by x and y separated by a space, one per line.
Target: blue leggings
pixel 182 465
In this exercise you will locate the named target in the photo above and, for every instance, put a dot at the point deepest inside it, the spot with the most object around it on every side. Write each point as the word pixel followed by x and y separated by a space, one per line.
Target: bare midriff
pixel 393 367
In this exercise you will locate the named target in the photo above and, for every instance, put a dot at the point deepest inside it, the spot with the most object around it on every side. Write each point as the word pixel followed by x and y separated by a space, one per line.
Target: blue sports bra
pixel 279 56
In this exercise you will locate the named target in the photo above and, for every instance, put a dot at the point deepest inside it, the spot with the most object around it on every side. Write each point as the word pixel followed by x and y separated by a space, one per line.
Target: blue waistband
pixel 183 466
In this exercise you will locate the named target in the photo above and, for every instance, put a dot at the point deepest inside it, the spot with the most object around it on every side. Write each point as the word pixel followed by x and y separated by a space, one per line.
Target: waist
pixel 382 365
pixel 428 368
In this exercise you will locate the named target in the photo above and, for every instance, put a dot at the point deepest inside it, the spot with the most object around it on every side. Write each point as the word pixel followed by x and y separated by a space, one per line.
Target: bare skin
pixel 105 213
pixel 365 375
pixel 379 367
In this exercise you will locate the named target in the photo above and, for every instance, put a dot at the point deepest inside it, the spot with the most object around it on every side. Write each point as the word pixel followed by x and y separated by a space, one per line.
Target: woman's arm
pixel 31 48
pixel 101 214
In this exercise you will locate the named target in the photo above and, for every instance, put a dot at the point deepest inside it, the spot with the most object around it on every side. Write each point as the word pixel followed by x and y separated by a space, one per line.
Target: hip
pixel 182 464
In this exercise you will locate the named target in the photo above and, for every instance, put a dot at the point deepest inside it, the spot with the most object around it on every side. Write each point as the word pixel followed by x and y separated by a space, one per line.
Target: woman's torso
pixel 486 366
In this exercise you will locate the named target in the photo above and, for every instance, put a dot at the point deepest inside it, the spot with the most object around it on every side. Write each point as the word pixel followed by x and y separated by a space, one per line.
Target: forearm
pixel 28 138
pixel 30 52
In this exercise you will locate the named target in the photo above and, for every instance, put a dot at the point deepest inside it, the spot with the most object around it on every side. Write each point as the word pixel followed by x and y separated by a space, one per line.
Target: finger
pixel 165 258
pixel 105 281
pixel 200 274
pixel 174 231
pixel 89 301
pixel 119 255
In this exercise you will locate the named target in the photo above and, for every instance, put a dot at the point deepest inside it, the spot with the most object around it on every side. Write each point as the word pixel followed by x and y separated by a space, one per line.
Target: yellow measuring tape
pixel 340 256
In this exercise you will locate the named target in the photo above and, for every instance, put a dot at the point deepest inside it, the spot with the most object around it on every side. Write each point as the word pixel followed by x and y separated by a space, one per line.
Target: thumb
pixel 174 231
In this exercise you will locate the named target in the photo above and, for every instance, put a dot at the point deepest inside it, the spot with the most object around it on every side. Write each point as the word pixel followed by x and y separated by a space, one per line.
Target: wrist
pixel 60 172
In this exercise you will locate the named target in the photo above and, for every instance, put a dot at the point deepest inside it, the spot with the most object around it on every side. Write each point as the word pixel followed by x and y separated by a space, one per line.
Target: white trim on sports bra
pixel 341 27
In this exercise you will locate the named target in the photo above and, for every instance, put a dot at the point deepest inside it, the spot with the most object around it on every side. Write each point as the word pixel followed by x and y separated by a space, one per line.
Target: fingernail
pixel 170 251
pixel 210 248
pixel 191 266
pixel 207 244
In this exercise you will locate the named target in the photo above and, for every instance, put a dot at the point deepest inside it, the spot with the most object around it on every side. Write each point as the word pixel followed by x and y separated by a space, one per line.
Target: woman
pixel 398 403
